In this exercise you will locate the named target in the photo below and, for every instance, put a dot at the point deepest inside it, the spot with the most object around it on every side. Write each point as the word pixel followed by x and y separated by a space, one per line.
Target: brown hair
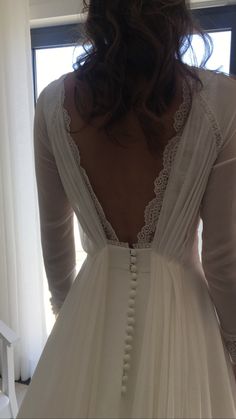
pixel 126 41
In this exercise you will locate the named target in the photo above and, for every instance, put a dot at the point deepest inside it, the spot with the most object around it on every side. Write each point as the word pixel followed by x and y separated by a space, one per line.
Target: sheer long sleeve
pixel 56 216
pixel 218 212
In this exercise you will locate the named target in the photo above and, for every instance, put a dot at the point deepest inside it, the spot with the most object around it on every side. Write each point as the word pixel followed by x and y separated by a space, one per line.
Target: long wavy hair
pixel 131 41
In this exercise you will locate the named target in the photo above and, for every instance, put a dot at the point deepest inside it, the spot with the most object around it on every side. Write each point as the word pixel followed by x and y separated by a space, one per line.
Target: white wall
pixel 49 12
pixel 56 12
pixel 210 3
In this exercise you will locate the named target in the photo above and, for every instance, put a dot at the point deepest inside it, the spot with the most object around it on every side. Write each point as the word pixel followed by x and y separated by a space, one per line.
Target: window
pixel 219 21
pixel 54 52
pixel 59 61
pixel 220 59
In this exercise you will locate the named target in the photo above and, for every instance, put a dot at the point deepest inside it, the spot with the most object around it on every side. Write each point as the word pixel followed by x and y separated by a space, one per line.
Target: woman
pixel 140 146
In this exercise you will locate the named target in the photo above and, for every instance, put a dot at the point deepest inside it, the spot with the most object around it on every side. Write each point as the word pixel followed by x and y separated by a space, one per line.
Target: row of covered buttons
pixel 130 319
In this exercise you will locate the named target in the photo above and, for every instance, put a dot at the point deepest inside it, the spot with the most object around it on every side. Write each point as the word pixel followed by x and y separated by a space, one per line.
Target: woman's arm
pixel 218 212
pixel 56 215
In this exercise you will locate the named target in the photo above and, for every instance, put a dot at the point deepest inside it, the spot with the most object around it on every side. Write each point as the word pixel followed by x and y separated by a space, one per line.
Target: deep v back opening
pixel 153 207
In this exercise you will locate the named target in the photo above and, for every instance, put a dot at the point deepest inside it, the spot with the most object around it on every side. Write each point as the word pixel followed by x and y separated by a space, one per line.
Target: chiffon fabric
pixel 141 332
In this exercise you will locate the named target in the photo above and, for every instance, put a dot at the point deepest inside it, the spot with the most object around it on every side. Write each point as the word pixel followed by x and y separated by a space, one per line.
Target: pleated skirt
pixel 138 337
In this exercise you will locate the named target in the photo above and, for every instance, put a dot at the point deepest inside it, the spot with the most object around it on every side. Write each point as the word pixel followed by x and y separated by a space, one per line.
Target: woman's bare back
pixel 121 177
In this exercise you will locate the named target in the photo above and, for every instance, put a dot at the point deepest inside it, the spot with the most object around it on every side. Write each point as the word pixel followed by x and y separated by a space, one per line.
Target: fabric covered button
pixel 126 367
pixel 129 339
pixel 133 259
pixel 131 302
pixel 124 378
pixel 130 318
pixel 131 312
pixel 134 285
pixel 127 357
pixel 123 389
pixel 131 321
pixel 130 329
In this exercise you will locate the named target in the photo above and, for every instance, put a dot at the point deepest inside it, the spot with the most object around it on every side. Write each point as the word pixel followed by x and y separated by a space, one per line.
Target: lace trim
pixel 107 227
pixel 125 244
pixel 231 346
pixel 67 120
pixel 153 209
pixel 214 124
pixel 230 343
pixel 183 111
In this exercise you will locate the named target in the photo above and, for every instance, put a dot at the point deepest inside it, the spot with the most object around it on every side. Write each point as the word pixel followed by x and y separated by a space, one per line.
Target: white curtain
pixel 21 268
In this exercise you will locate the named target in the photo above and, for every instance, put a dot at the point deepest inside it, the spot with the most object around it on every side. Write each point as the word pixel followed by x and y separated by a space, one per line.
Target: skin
pixel 132 170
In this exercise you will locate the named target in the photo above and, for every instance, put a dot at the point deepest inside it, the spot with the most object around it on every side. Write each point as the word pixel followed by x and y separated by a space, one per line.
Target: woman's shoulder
pixel 218 83
pixel 53 90
pixel 219 93
pixel 218 89
pixel 52 96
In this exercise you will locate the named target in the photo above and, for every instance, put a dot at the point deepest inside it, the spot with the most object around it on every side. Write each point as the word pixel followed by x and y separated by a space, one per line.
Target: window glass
pixel 220 59
pixel 51 63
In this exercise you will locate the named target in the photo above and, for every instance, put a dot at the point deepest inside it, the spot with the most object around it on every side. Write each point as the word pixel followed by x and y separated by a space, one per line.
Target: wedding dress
pixel 147 331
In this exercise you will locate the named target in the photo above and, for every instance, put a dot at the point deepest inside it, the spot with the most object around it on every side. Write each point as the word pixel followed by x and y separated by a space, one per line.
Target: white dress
pixel 147 331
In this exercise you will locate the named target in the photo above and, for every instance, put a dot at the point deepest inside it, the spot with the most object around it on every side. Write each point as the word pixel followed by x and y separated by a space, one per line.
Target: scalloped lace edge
pixel 213 122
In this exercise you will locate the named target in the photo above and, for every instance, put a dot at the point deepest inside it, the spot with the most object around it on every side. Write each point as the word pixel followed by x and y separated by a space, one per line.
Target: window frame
pixel 211 19
pixel 53 37
pixel 220 18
